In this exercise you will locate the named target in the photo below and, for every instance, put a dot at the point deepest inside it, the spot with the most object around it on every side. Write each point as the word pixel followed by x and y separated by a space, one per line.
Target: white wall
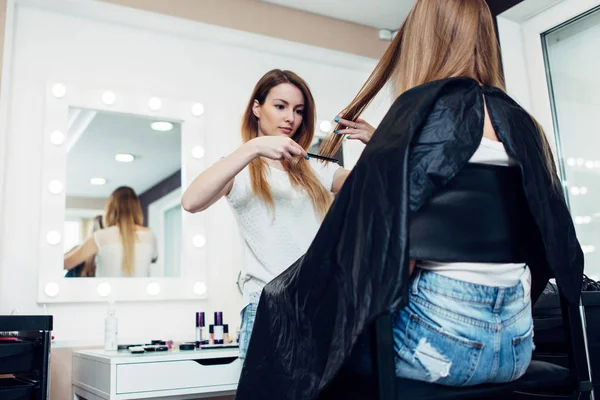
pixel 179 59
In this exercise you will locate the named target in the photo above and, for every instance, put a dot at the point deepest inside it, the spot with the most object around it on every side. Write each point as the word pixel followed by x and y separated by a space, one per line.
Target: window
pixel 572 64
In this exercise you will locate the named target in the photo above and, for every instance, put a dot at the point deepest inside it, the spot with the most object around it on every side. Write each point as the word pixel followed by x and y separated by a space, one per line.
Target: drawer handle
pixel 216 361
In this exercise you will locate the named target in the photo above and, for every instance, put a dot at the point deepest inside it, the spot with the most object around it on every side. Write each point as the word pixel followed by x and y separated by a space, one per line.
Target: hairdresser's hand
pixel 358 130
pixel 276 147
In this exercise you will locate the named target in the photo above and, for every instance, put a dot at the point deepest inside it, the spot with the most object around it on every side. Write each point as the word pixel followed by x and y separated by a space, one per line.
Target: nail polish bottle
pixel 200 324
pixel 226 339
pixel 218 327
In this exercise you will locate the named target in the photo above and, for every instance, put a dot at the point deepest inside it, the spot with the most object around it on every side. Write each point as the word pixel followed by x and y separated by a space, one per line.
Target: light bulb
pixel 55 187
pixel 154 103
pixel 197 109
pixel 198 152
pixel 51 289
pixel 153 289
pixel 199 288
pixel 104 289
pixel 109 98
pixel 198 241
pixel 57 138
pixel 59 90
pixel 53 237
pixel 325 126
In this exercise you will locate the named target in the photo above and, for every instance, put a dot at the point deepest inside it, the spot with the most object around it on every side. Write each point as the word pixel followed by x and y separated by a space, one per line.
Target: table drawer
pixel 180 374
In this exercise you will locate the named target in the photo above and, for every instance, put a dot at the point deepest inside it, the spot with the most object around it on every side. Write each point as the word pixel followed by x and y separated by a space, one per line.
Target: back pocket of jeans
pixel 443 357
pixel 522 350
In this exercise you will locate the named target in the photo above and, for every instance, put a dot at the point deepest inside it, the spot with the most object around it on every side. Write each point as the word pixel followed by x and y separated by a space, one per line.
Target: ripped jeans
pixel 457 333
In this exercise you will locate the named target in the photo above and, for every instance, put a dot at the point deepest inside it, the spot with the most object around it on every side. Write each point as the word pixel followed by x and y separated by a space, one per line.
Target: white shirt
pixel 489 274
pixel 273 241
pixel 109 258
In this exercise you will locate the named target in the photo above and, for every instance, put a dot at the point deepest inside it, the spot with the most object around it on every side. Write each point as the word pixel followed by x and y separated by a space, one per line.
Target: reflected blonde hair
pixel 299 170
pixel 123 210
pixel 439 39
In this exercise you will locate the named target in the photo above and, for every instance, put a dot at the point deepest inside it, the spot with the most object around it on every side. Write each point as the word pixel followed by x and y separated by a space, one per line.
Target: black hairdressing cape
pixel 310 316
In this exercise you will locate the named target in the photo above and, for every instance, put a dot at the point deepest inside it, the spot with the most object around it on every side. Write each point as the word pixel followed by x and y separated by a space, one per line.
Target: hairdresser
pixel 278 194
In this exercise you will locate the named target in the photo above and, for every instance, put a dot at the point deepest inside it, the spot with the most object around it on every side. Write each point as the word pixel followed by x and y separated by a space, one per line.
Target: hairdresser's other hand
pixel 276 147
pixel 357 130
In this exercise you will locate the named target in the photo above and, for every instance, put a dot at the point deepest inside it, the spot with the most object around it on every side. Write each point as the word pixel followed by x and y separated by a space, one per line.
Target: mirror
pixel 130 167
pixel 98 138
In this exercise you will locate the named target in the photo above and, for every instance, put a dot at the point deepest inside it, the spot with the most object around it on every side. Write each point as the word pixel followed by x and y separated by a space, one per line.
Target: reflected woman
pixel 124 248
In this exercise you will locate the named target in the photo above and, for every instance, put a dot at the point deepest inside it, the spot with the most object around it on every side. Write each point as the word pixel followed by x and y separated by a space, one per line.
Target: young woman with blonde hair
pixel 452 220
pixel 124 247
pixel 279 197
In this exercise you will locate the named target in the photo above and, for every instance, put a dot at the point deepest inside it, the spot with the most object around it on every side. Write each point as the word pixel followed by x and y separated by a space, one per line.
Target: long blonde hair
pixel 439 39
pixel 299 170
pixel 123 209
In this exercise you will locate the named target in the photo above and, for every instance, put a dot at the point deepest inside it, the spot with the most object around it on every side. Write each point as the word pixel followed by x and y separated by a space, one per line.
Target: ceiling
pixel 100 136
pixel 381 14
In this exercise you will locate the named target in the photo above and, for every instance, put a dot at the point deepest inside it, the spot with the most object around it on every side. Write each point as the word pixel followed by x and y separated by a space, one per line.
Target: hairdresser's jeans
pixel 459 334
pixel 248 315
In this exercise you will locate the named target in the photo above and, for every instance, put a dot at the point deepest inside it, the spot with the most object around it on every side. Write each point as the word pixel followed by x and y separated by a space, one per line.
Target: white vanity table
pixel 176 375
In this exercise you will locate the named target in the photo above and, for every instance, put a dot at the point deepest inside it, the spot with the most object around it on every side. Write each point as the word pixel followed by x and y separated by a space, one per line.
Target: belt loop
pixel 499 299
pixel 415 283
pixel 526 283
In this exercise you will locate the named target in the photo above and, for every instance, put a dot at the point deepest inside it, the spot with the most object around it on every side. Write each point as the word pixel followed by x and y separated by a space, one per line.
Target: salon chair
pixel 543 380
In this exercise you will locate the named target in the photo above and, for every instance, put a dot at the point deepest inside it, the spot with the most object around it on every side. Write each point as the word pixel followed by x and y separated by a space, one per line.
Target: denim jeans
pixel 457 333
pixel 248 315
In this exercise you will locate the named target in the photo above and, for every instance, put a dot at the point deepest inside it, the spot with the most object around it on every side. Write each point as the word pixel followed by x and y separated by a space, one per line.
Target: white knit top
pixel 109 259
pixel 274 241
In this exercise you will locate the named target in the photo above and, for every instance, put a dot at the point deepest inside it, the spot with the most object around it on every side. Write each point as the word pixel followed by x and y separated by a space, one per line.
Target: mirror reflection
pixel 123 188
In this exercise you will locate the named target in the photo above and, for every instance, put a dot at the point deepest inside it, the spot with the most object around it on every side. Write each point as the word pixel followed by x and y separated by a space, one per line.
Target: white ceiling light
pixel 571 162
pixel 55 187
pixel 325 126
pixel 123 157
pixel 580 161
pixel 109 98
pixel 198 152
pixel 153 289
pixel 51 289
pixel 57 138
pixel 53 238
pixel 161 126
pixel 98 181
pixel 197 109
pixel 596 164
pixel 104 289
pixel 199 288
pixel 59 90
pixel 583 190
pixel 575 191
pixel 154 103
